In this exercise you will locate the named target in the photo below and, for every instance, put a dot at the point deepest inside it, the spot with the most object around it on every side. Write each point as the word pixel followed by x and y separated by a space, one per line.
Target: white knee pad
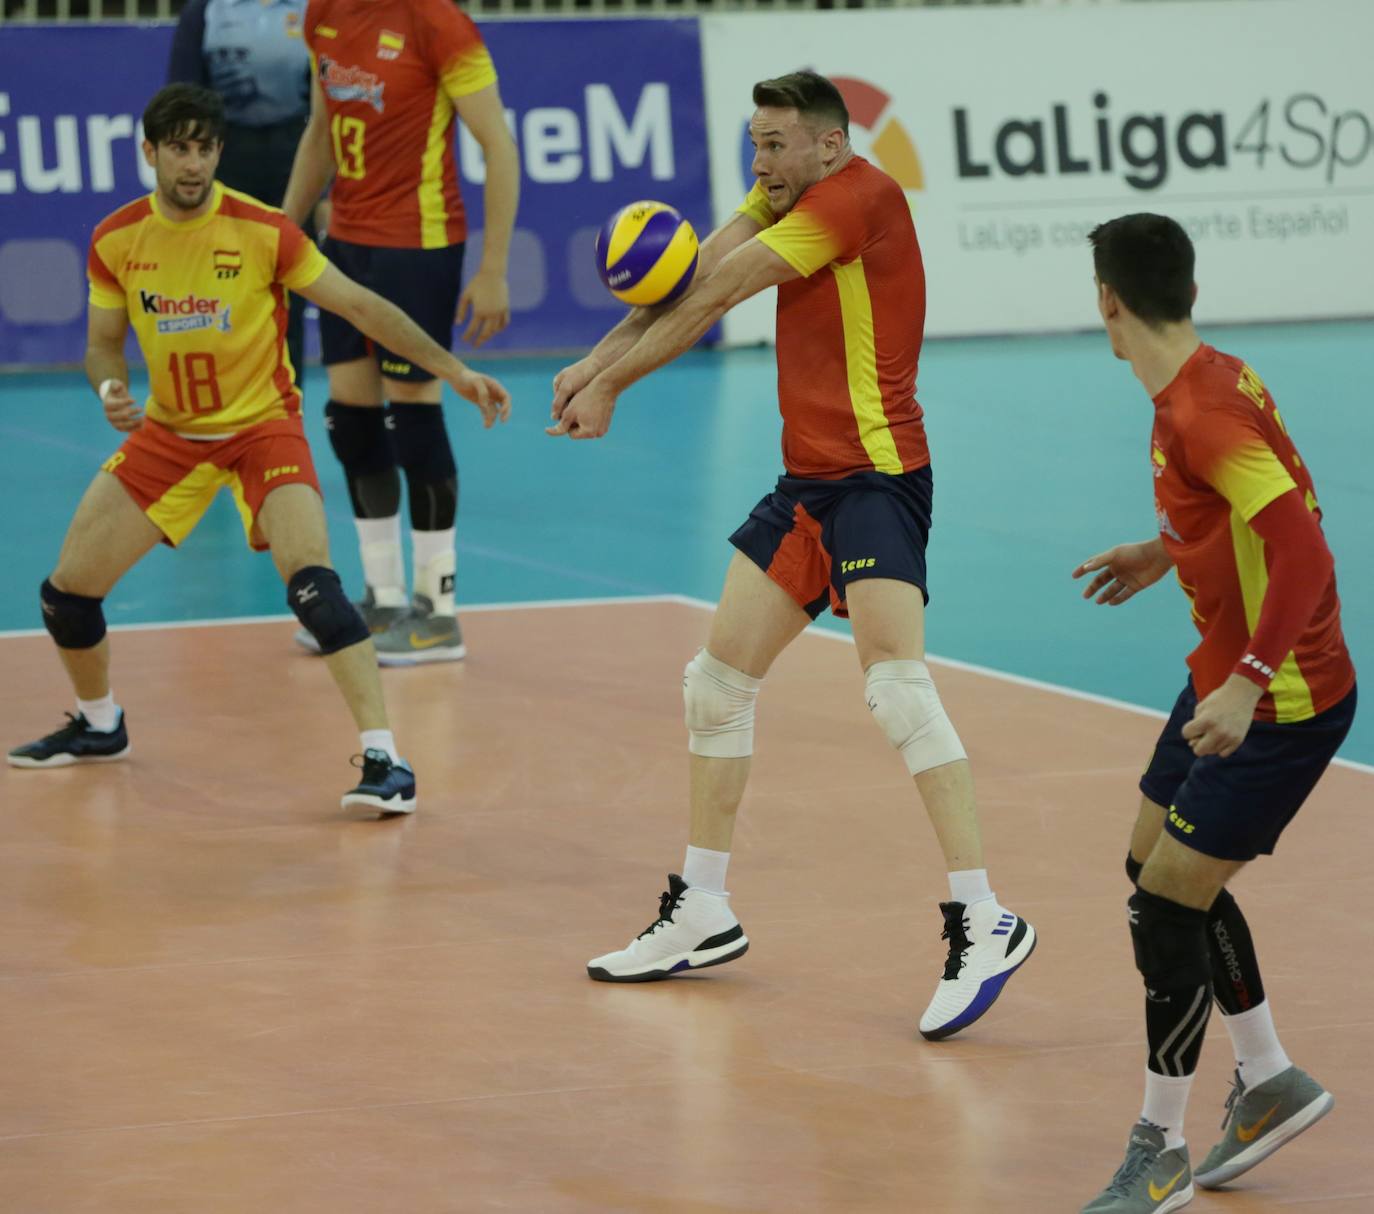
pixel 904 702
pixel 719 703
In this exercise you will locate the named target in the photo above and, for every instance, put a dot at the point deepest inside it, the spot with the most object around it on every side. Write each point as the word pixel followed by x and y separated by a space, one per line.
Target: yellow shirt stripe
pixel 433 213
pixel 861 366
pixel 1292 695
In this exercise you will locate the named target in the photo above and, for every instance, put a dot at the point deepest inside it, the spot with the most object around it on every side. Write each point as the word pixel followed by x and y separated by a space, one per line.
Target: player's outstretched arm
pixel 107 368
pixel 486 298
pixel 1124 571
pixel 733 233
pixel 385 323
pixel 313 168
pixel 751 268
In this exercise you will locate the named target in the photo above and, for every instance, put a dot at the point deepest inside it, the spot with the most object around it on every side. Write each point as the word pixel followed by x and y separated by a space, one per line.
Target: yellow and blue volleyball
pixel 646 253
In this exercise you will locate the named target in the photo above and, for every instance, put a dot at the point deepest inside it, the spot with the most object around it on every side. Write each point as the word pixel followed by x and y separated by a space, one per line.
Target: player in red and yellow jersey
pixel 389 78
pixel 1270 699
pixel 845 527
pixel 202 273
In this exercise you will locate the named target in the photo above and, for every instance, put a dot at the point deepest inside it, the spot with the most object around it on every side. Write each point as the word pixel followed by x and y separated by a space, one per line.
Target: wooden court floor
pixel 218 995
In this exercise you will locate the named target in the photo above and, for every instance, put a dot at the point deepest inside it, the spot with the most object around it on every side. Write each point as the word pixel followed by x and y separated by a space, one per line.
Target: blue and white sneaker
pixel 75 742
pixel 987 944
pixel 694 930
pixel 386 787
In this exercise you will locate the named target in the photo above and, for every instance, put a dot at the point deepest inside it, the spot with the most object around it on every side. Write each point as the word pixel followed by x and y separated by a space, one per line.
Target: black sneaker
pixel 386 786
pixel 75 742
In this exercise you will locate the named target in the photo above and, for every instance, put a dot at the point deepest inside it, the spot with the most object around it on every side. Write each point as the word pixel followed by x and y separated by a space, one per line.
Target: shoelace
pixel 667 904
pixel 1233 1100
pixel 374 763
pixel 76 725
pixel 1138 1161
pixel 956 932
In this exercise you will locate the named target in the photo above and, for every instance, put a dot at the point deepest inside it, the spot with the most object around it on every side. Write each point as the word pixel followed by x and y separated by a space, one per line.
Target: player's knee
pixel 360 438
pixel 1170 942
pixel 74 621
pixel 317 597
pixel 904 702
pixel 719 707
pixel 421 439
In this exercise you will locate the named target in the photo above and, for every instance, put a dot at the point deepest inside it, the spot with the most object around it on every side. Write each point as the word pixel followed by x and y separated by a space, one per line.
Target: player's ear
pixel 1194 293
pixel 149 153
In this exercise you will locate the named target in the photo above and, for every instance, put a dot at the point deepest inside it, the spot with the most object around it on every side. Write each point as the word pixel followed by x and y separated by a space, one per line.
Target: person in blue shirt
pixel 252 53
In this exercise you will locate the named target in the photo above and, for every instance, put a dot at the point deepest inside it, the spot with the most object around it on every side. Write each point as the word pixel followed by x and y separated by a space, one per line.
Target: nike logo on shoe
pixel 419 642
pixel 1247 1133
pixel 1158 1194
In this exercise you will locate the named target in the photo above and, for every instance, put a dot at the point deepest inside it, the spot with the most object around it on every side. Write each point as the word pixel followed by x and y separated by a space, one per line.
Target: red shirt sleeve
pixel 1299 569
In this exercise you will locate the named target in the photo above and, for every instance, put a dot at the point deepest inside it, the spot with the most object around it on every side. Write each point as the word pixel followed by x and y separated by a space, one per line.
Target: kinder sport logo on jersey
pixel 875 131
pixel 351 83
pixel 186 314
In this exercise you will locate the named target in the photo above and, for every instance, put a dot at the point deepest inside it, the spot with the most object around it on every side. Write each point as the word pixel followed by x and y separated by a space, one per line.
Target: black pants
pixel 257 160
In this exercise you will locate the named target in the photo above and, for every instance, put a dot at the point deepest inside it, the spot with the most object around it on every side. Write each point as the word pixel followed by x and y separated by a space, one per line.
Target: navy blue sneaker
pixel 386 786
pixel 75 742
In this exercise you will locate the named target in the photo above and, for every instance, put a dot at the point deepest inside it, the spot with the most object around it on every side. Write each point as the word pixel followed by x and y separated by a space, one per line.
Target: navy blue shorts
pixel 1236 808
pixel 423 283
pixel 816 537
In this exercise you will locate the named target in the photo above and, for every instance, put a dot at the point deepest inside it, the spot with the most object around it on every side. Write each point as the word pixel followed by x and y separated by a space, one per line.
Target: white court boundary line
pixel 1001 676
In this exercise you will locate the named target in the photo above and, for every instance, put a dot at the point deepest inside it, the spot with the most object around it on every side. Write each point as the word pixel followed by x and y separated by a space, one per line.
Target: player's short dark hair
pixel 1148 261
pixel 184 111
pixel 807 92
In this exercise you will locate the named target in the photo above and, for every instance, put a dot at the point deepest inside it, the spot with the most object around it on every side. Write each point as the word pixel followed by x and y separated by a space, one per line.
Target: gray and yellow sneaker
pixel 1150 1180
pixel 1261 1119
pixel 421 636
pixel 377 619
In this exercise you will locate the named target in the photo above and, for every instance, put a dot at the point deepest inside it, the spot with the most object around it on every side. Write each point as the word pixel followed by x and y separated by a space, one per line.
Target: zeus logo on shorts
pixel 861 563
pixel 1180 822
pixel 186 314
pixel 271 474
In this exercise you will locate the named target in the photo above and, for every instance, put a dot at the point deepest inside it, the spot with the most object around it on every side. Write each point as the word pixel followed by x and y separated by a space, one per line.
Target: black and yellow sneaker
pixel 75 742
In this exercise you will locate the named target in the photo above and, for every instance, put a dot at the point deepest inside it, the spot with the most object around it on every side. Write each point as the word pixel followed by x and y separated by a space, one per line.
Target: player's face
pixel 790 155
pixel 185 170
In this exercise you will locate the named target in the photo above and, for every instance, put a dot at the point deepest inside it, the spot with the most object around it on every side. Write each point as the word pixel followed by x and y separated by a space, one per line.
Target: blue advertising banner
pixel 598 122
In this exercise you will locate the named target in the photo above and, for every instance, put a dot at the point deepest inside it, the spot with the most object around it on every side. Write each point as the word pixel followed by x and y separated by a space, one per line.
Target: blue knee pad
pixel 1171 949
pixel 73 620
pixel 317 597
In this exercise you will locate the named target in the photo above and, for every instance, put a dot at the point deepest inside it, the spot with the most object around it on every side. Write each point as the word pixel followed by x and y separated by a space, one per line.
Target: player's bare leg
pixel 292 521
pixel 107 537
pixel 987 943
pixel 754 622
pixel 356 421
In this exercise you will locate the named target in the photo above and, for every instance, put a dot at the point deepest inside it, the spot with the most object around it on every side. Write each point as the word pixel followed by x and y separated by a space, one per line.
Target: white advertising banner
pixel 1016 132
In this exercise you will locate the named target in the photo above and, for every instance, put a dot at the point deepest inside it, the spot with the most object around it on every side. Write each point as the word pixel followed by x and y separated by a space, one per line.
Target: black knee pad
pixel 73 620
pixel 1133 867
pixel 1170 942
pixel 317 597
pixel 360 437
pixel 425 454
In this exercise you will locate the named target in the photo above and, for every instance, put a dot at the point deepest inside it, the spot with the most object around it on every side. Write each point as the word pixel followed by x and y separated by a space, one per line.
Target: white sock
pixel 1166 1098
pixel 1259 1055
pixel 379 542
pixel 101 715
pixel 704 869
pixel 969 885
pixel 380 739
pixel 435 559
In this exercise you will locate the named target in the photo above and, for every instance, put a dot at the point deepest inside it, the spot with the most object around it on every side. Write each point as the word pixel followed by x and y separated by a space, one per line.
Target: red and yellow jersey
pixel 390 71
pixel 208 302
pixel 849 331
pixel 1220 454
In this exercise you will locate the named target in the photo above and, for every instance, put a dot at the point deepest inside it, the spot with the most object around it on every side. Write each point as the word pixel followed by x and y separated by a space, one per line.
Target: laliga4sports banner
pixel 1015 132
pixel 598 123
